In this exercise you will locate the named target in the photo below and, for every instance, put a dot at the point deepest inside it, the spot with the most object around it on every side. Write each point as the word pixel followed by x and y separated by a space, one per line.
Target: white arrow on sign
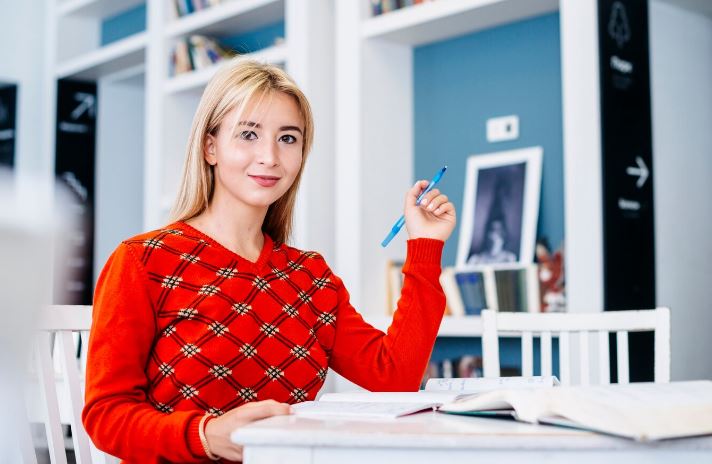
pixel 86 104
pixel 641 172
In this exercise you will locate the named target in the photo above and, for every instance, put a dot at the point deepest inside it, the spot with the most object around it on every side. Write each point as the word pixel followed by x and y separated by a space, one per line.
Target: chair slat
pixel 622 356
pixel 604 362
pixel 527 354
pixel 583 358
pixel 564 358
pixel 490 344
pixel 546 353
pixel 53 426
pixel 662 346
pixel 71 372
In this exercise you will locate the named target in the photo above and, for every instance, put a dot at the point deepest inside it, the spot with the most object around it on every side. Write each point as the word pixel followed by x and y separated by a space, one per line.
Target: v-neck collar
pixel 261 259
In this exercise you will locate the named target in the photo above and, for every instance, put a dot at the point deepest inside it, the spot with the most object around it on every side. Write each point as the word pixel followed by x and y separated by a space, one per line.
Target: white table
pixel 431 437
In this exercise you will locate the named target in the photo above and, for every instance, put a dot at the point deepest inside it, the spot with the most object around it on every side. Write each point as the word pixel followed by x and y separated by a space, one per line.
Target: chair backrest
pixel 563 325
pixel 60 352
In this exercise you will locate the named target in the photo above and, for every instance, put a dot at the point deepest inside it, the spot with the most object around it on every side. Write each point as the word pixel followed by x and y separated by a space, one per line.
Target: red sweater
pixel 183 326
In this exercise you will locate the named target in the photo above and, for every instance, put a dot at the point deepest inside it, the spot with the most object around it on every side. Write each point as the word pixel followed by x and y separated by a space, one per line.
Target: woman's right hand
pixel 218 430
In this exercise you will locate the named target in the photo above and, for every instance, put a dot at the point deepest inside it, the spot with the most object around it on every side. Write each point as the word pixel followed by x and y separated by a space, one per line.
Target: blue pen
pixel 399 223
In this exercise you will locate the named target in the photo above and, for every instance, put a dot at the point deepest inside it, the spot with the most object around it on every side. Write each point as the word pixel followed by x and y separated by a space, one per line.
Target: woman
pixel 213 321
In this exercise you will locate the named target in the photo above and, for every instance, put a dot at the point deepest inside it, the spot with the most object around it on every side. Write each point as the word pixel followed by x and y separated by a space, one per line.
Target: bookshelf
pixel 144 114
pixel 451 326
pixel 440 20
pixel 231 17
pixel 375 142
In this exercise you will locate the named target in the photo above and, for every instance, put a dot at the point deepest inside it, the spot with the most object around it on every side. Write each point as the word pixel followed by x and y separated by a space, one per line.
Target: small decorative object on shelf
pixel 551 278
pixel 379 7
pixel 197 52
pixel 186 7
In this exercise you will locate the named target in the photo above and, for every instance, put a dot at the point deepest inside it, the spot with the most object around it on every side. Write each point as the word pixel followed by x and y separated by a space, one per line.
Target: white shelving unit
pixel 451 326
pixel 375 140
pixel 144 115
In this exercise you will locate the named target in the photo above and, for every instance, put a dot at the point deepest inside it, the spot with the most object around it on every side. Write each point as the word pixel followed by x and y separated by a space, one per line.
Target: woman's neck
pixel 237 227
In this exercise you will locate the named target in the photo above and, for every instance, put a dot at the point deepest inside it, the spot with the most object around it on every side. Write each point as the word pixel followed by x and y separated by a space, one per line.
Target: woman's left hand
pixel 433 218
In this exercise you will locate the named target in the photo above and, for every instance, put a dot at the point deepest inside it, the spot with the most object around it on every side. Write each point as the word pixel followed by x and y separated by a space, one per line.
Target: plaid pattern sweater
pixel 183 326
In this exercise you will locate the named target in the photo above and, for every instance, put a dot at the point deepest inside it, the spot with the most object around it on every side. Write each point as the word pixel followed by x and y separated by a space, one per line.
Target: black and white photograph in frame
pixel 500 208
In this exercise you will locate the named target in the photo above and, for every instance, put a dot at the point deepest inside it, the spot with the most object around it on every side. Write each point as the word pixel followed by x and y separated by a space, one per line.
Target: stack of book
pixel 197 52
pixel 379 7
pixel 186 7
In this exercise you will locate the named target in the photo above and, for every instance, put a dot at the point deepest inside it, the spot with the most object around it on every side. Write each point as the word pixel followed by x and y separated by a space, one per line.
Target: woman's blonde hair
pixel 236 85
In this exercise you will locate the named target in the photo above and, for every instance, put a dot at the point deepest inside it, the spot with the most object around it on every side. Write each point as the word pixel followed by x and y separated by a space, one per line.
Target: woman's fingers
pixel 415 190
pixel 218 430
pixel 261 409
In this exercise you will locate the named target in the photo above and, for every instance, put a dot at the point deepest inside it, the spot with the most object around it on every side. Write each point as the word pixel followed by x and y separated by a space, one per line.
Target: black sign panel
pixel 8 125
pixel 74 168
pixel 627 168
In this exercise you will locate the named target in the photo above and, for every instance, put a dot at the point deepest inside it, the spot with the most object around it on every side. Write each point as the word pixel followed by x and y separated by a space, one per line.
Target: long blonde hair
pixel 236 85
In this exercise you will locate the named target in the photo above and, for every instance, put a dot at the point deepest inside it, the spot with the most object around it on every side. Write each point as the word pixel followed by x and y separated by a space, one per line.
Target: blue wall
pixel 123 24
pixel 462 82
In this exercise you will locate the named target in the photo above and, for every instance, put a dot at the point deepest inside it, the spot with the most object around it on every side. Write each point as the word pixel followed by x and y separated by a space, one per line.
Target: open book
pixel 642 411
pixel 389 405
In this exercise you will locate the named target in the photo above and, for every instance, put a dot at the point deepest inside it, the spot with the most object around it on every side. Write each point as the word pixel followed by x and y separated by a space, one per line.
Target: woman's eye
pixel 248 135
pixel 288 138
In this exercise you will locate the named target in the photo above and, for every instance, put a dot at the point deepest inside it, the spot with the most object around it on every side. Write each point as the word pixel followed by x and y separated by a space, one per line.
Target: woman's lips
pixel 265 181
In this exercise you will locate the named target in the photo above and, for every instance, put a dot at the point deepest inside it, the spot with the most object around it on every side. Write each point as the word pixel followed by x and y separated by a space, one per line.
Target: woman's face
pixel 257 157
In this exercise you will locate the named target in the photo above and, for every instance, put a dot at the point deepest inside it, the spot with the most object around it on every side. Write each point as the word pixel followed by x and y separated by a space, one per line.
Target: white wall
pixel 119 166
pixel 681 86
pixel 21 62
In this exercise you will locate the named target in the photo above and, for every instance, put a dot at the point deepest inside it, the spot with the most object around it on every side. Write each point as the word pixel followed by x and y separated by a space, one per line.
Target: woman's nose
pixel 268 154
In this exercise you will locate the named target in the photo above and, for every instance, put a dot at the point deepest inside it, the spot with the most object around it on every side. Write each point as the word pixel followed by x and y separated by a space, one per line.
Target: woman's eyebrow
pixel 290 128
pixel 257 125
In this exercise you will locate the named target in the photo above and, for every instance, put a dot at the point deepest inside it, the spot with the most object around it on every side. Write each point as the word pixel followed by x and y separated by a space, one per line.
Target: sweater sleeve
pixel 396 360
pixel 117 414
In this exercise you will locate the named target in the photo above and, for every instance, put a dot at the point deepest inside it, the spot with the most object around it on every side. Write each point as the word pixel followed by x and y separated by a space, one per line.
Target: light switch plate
pixel 503 128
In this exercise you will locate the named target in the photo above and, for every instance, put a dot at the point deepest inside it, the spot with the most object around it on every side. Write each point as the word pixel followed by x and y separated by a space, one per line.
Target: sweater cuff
pixel 194 444
pixel 424 251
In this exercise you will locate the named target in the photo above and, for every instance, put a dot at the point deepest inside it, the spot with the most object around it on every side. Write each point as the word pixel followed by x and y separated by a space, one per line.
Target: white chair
pixel 60 377
pixel 563 325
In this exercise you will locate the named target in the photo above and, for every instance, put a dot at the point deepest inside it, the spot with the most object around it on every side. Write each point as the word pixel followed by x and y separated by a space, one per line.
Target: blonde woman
pixel 213 321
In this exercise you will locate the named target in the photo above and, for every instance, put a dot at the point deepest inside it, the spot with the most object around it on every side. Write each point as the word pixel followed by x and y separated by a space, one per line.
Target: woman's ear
pixel 209 153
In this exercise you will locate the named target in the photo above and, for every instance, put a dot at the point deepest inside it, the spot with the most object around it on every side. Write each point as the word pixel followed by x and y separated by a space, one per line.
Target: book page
pixel 643 411
pixel 421 397
pixel 357 410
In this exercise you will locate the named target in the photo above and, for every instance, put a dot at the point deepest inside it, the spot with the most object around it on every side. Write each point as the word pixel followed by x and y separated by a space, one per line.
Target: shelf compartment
pixel 229 18
pixel 98 9
pixel 196 80
pixel 444 19
pixel 124 54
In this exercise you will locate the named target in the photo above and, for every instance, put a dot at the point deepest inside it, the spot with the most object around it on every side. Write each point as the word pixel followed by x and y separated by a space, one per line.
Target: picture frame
pixel 500 208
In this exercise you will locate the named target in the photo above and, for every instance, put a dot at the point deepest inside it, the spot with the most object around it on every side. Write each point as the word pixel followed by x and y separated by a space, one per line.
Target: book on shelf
pixel 186 7
pixel 197 52
pixel 390 405
pixel 640 411
pixel 379 7
pixel 501 288
pixel 511 287
pixel 453 300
